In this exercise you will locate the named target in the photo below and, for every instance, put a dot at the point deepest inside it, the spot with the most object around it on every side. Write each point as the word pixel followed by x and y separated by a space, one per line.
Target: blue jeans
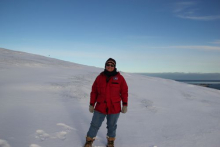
pixel 96 123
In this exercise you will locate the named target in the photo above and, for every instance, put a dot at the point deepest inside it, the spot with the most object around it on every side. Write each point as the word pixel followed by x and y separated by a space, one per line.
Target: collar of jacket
pixel 110 74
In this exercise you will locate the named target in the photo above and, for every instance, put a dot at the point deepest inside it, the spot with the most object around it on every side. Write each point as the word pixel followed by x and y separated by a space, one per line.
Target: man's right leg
pixel 96 123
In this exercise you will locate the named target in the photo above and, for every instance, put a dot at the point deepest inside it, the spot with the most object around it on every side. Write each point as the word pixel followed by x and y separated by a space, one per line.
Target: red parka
pixel 107 96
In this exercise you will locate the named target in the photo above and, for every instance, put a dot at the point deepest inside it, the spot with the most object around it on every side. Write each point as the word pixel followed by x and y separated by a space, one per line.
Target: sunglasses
pixel 110 65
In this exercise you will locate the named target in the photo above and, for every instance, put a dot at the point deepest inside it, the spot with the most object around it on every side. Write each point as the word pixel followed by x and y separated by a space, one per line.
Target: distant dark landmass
pixel 211 80
pixel 206 83
pixel 185 76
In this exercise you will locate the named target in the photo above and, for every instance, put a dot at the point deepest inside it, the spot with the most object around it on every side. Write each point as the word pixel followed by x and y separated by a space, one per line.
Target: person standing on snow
pixel 108 90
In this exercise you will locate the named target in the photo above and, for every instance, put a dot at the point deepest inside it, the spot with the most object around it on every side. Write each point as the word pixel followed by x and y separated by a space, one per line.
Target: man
pixel 108 91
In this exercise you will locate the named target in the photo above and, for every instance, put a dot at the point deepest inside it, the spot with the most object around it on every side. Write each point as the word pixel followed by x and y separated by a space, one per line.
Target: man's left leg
pixel 111 126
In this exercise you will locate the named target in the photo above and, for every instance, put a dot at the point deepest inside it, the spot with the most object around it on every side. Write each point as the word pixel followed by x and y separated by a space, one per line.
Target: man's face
pixel 109 67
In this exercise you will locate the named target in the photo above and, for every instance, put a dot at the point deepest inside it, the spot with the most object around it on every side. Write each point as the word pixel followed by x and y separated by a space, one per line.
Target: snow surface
pixel 44 103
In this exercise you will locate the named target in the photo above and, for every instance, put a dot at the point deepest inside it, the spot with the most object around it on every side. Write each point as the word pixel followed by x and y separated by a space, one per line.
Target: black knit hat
pixel 111 60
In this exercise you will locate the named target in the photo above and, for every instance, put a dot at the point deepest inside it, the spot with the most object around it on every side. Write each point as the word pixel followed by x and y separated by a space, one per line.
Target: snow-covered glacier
pixel 44 103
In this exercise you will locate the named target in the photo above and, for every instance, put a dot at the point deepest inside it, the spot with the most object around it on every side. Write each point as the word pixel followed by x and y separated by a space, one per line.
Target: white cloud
pixel 190 10
pixel 182 6
pixel 205 18
pixel 216 42
pixel 140 37
pixel 197 47
pixel 193 47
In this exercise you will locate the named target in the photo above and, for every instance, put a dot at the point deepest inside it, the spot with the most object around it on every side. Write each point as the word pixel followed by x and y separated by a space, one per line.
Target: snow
pixel 4 143
pixel 44 103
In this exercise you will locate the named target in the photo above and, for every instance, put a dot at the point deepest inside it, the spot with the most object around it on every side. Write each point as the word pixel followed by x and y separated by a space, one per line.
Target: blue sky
pixel 141 35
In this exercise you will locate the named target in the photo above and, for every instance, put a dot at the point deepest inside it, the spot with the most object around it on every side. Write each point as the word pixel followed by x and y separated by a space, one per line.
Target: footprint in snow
pixel 4 143
pixel 149 105
pixel 62 135
pixel 42 135
pixel 66 127
pixel 34 145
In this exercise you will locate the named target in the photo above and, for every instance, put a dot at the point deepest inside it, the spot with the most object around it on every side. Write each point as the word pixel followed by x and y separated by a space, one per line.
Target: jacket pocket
pixel 115 83
pixel 117 107
pixel 115 90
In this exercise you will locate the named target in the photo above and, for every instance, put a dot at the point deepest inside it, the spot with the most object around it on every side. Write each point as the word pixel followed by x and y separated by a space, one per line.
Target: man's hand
pixel 91 108
pixel 124 109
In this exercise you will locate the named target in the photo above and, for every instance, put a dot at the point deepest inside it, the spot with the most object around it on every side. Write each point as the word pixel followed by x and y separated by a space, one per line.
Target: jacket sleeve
pixel 124 92
pixel 94 93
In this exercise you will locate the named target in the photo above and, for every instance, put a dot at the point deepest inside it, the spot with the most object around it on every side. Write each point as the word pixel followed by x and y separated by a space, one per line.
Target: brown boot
pixel 89 142
pixel 110 141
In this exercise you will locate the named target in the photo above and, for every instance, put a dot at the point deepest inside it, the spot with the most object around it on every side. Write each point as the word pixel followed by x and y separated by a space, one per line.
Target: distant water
pixel 211 80
pixel 207 83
